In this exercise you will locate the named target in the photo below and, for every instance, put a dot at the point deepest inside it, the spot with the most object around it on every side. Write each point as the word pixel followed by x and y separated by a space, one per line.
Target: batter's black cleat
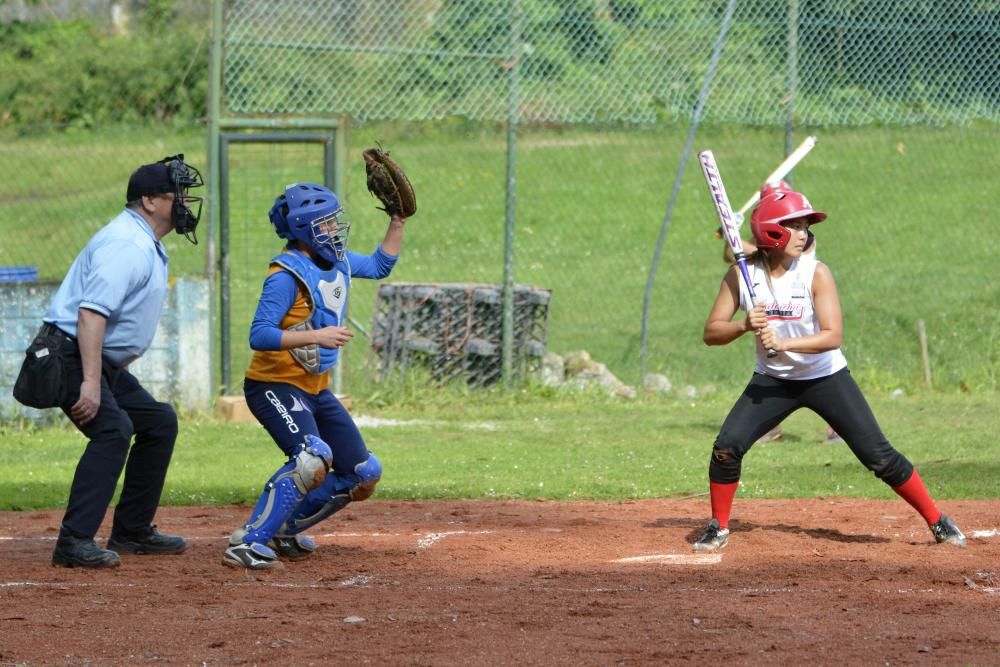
pixel 254 556
pixel 945 531
pixel 293 547
pixel 147 541
pixel 81 552
pixel 714 537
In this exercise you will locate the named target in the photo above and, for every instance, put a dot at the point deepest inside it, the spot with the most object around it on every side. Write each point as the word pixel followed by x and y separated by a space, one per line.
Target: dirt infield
pixel 825 581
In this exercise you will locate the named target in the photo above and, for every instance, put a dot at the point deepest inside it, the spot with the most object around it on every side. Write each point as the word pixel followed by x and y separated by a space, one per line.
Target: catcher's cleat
pixel 714 537
pixel 293 547
pixel 148 541
pixel 253 556
pixel 945 530
pixel 79 552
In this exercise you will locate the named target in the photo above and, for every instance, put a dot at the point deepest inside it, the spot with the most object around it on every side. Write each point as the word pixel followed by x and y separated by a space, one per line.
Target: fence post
pixel 507 347
pixel 212 187
pixel 793 76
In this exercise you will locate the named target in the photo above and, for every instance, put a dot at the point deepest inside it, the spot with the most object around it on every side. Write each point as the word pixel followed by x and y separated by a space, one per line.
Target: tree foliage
pixel 77 73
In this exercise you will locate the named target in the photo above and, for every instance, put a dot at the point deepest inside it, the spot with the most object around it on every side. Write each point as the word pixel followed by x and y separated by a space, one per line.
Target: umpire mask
pixel 182 177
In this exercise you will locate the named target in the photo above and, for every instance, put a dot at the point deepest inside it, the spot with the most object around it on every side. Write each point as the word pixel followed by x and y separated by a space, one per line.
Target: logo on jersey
pixel 784 311
pixel 334 294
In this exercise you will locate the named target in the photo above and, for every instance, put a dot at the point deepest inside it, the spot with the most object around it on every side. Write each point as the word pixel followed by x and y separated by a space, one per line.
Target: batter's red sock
pixel 914 492
pixel 722 501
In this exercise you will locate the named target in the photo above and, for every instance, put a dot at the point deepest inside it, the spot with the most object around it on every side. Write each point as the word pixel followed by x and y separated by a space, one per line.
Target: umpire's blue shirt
pixel 121 274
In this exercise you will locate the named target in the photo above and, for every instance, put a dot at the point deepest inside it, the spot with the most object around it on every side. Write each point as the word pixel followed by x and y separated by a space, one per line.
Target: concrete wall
pixel 177 368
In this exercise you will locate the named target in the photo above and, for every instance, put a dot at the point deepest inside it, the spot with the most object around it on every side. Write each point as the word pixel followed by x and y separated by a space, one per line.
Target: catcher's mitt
pixel 388 182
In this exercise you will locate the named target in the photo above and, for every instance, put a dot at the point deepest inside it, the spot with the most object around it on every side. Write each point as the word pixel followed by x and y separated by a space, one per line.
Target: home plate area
pixel 826 580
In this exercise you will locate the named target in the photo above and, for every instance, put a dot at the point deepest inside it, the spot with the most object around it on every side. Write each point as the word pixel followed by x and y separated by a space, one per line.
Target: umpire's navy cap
pixel 149 180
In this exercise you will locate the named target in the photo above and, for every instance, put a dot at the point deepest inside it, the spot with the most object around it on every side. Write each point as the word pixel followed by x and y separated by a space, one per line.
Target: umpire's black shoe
pixel 81 552
pixel 147 541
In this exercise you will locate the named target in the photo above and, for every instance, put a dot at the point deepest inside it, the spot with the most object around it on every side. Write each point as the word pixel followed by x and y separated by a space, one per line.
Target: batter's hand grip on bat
pixel 770 352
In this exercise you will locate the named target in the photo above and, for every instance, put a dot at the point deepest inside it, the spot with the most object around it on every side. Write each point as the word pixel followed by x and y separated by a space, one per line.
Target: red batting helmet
pixel 778 207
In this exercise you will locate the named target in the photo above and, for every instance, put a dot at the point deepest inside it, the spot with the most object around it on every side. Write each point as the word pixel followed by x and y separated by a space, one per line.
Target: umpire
pixel 107 310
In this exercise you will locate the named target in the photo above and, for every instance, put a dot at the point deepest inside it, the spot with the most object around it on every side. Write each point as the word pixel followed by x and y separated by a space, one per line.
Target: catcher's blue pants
pixel 126 409
pixel 767 401
pixel 288 413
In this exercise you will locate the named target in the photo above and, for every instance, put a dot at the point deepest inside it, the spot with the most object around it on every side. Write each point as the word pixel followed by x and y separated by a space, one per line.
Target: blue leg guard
pixel 337 490
pixel 285 490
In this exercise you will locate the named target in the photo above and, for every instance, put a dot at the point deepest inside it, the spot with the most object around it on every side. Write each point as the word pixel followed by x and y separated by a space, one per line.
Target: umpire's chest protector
pixel 328 296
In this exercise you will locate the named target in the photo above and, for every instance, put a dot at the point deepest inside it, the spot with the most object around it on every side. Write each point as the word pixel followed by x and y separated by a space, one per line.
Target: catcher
pixel 296 336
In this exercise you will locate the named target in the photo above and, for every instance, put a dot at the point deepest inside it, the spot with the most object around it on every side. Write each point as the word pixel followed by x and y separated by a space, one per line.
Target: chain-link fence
pixel 628 61
pixel 599 97
pixel 602 94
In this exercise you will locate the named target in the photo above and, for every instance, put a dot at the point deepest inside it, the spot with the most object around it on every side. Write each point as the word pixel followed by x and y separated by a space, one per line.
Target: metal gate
pixel 255 167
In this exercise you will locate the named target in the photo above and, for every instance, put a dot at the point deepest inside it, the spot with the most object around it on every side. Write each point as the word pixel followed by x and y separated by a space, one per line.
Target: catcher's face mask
pixel 329 236
pixel 183 176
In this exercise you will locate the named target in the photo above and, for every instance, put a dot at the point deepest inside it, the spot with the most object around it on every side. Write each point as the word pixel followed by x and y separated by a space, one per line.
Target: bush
pixel 73 73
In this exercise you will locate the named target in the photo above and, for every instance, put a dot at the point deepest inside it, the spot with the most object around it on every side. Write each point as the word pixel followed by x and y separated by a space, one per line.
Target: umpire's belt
pixel 52 330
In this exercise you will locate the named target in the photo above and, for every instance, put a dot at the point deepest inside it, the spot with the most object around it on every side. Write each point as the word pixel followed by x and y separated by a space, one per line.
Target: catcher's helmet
pixel 778 207
pixel 304 212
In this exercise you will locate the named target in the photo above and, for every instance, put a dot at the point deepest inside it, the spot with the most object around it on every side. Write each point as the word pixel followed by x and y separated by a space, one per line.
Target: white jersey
pixel 790 313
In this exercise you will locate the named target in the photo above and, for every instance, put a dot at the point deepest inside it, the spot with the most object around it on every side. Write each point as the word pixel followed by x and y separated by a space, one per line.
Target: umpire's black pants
pixel 126 409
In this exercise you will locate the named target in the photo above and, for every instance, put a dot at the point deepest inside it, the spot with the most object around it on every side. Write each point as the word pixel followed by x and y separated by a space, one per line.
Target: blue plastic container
pixel 18 274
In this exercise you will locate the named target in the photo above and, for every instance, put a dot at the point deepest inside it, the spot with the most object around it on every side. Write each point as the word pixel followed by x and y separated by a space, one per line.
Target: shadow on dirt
pixel 697 525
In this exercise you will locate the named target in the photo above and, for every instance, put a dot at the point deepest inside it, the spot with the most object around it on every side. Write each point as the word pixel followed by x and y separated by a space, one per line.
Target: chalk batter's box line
pixel 427 540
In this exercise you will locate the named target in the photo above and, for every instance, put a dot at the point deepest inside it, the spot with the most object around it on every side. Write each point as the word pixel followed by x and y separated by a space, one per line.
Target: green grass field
pixel 540 444
pixel 905 238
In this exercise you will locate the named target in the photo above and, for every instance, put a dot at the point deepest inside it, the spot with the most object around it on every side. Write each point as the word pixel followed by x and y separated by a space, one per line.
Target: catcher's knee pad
pixel 370 472
pixel 357 484
pixel 312 463
pixel 338 490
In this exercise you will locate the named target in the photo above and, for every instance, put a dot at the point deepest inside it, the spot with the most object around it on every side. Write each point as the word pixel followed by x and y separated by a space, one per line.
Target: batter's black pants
pixel 767 401
pixel 126 410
